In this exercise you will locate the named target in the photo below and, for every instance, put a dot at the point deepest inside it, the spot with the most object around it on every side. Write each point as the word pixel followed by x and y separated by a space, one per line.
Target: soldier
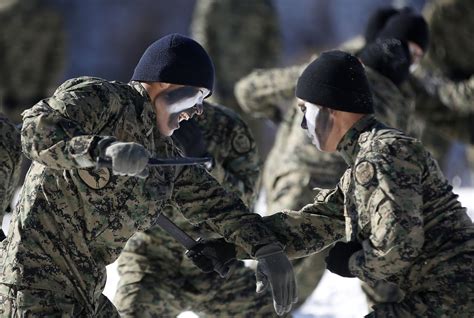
pixel 294 167
pixel 32 45
pixel 74 217
pixel 10 163
pixel 399 225
pixel 235 50
pixel 447 73
pixel 155 279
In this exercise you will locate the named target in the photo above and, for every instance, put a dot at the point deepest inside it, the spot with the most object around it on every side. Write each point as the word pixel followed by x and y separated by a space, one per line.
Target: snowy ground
pixel 326 300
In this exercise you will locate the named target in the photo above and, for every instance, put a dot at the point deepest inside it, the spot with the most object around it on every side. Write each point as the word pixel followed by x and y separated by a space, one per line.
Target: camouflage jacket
pixel 293 160
pixel 444 104
pixel 237 168
pixel 32 54
pixel 73 220
pixel 10 162
pixel 394 200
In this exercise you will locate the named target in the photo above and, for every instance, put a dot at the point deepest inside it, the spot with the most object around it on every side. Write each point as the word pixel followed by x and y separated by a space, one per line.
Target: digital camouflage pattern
pixel 418 241
pixel 73 220
pixel 239 36
pixel 294 166
pixel 32 44
pixel 157 280
pixel 10 162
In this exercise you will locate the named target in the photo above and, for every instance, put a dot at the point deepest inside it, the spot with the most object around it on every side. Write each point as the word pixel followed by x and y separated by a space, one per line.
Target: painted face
pixel 176 105
pixel 318 123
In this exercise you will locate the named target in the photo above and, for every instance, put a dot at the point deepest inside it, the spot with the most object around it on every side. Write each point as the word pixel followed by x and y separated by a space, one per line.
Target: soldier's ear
pixel 164 86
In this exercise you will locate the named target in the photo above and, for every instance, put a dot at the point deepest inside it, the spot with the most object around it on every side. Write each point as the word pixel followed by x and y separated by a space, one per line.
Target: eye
pixel 302 108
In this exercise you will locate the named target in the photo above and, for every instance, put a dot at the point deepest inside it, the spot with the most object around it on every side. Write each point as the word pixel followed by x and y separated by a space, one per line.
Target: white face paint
pixel 186 103
pixel 176 105
pixel 311 114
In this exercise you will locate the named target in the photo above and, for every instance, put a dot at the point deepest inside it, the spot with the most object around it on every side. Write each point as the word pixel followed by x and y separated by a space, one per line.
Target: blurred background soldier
pixel 10 163
pixel 32 54
pixel 235 51
pixel 223 27
pixel 32 50
pixel 447 73
pixel 156 280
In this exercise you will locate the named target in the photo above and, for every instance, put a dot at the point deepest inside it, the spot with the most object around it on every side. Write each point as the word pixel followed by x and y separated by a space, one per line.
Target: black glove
pixel 189 136
pixel 337 260
pixel 275 270
pixel 214 255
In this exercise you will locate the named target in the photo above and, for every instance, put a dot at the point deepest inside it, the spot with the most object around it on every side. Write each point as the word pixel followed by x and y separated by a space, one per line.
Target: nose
pixel 199 109
pixel 303 123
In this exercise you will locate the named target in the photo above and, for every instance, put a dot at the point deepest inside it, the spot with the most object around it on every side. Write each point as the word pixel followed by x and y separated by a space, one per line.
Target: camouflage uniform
pixel 448 70
pixel 446 108
pixel 10 162
pixel 32 54
pixel 294 166
pixel 239 36
pixel 156 280
pixel 418 241
pixel 73 220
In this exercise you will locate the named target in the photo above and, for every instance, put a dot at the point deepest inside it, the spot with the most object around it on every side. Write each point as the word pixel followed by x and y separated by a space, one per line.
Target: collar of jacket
pixel 144 108
pixel 349 145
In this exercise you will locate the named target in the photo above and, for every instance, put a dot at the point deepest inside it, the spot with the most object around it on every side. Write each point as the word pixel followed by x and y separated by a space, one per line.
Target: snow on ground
pixel 326 300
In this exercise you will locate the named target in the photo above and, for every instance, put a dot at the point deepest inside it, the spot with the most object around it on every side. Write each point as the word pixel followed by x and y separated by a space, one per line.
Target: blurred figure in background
pixel 156 280
pixel 32 51
pixel 239 36
pixel 10 164
pixel 447 74
pixel 32 46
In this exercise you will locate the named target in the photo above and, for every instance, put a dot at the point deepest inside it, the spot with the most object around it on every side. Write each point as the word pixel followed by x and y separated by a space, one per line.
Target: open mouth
pixel 183 116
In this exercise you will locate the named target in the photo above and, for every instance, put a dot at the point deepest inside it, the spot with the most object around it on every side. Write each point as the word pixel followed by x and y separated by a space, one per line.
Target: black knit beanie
pixel 389 57
pixel 336 80
pixel 176 59
pixel 407 27
pixel 377 21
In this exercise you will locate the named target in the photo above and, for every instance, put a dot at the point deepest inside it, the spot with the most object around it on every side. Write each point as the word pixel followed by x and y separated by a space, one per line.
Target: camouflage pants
pixel 161 295
pixel 16 303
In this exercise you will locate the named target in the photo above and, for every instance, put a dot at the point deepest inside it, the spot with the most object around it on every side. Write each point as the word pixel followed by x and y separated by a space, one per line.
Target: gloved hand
pixel 128 159
pixel 191 139
pixel 275 269
pixel 214 255
pixel 337 260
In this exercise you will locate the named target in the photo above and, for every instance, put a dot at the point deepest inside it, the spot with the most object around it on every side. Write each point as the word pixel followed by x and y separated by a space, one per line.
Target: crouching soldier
pixel 395 220
pixel 74 219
